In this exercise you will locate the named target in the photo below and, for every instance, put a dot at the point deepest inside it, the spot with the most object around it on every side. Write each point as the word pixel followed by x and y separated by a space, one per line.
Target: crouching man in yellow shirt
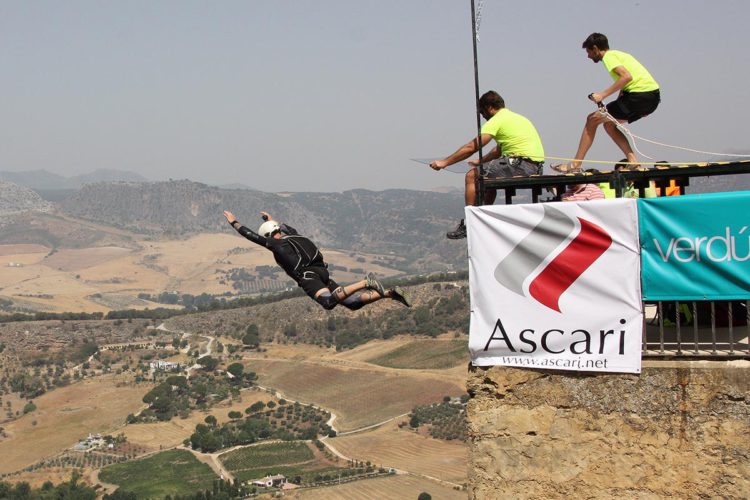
pixel 519 151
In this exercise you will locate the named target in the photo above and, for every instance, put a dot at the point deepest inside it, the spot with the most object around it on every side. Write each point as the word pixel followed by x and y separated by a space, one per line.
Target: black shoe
pixel 373 284
pixel 458 233
pixel 399 295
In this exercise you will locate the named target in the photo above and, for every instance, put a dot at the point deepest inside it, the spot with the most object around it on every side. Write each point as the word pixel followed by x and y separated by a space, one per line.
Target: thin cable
pixel 479 183
pixel 608 162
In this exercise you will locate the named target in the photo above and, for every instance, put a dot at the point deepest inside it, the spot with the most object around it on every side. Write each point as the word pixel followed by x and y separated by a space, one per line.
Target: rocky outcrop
pixel 15 199
pixel 679 429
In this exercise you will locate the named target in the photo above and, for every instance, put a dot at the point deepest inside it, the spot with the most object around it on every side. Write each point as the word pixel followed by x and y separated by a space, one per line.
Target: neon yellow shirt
pixel 515 135
pixel 642 80
pixel 608 191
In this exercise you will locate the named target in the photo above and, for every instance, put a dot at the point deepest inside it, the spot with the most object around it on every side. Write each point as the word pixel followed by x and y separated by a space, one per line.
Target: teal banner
pixel 695 247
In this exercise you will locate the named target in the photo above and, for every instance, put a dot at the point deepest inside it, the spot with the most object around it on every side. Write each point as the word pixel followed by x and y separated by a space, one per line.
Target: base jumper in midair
pixel 303 262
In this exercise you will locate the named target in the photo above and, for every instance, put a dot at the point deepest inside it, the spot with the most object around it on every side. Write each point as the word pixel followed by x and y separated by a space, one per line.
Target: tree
pixel 290 330
pixel 255 407
pixel 424 496
pixel 211 420
pixel 177 381
pixel 208 363
pixel 251 337
pixel 209 443
pixel 121 495
pixel 414 422
pixel 21 490
pixel 236 370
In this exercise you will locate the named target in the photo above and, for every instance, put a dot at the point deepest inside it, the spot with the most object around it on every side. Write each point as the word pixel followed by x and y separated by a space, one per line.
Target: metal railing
pixel 706 329
pixel 697 329
pixel 641 179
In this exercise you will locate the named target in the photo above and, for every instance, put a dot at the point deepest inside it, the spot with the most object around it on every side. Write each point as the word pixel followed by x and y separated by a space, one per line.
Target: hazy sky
pixel 330 95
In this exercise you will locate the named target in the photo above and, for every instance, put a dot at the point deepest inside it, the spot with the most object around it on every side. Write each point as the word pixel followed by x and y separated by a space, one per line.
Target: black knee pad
pixel 327 300
pixel 353 303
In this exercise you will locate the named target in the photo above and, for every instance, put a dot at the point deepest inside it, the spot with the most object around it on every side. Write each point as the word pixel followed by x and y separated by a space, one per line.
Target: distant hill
pixel 410 224
pixel 236 185
pixel 16 199
pixel 44 180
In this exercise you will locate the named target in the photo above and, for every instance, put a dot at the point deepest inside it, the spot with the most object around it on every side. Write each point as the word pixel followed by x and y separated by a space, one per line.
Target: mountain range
pixel 45 180
pixel 403 223
pixel 408 225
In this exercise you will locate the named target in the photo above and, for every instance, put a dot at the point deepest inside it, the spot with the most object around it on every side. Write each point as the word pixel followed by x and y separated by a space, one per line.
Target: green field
pixel 290 459
pixel 425 354
pixel 174 472
pixel 267 455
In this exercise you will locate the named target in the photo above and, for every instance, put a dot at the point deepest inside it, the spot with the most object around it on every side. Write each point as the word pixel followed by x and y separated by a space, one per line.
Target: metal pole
pixel 479 181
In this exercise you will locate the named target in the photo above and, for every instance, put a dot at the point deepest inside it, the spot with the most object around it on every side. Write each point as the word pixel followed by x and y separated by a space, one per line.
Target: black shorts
pixel 312 279
pixel 632 106
pixel 511 166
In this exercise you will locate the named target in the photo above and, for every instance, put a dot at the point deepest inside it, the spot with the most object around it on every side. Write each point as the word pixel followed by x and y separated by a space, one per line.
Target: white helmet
pixel 268 228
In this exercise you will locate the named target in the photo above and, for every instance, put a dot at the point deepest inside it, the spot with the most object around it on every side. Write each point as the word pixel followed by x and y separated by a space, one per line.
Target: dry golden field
pixel 295 352
pixel 390 487
pixel 65 415
pixel 359 356
pixel 374 348
pixel 100 279
pixel 55 474
pixel 22 250
pixel 406 450
pixel 16 404
pixel 358 396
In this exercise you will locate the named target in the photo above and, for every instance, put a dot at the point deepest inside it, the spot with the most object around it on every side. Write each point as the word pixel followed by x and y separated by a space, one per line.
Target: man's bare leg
pixel 470 190
pixel 343 292
pixel 621 141
pixel 587 137
pixel 489 196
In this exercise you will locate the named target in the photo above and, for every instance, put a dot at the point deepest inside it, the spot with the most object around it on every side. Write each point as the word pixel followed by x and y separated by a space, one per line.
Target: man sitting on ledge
pixel 519 151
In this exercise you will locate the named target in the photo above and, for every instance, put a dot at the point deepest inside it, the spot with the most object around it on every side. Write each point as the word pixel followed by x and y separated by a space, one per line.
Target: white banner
pixel 556 286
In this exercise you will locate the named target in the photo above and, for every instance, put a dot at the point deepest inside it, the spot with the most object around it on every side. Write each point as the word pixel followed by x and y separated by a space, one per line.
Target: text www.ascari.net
pixel 576 364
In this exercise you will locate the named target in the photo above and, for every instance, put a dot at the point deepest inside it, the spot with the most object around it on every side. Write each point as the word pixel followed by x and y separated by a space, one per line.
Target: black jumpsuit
pixel 298 257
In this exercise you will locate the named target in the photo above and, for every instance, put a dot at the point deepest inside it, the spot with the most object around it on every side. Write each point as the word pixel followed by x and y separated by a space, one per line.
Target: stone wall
pixel 679 429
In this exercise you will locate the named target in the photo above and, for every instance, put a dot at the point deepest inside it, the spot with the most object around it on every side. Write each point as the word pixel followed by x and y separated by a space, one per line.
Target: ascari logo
pixel 562 271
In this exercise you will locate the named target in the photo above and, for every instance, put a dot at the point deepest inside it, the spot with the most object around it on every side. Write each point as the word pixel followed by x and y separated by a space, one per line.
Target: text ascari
pixel 558 341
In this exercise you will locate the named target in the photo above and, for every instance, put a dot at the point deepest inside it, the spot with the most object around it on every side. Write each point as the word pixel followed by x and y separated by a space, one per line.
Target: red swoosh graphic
pixel 570 264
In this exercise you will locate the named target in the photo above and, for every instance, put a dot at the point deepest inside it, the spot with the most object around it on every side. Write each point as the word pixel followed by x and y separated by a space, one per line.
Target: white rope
pixel 633 137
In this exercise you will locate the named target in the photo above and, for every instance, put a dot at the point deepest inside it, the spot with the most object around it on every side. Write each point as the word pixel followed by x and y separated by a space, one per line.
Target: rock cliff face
pixel 680 429
pixel 15 199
